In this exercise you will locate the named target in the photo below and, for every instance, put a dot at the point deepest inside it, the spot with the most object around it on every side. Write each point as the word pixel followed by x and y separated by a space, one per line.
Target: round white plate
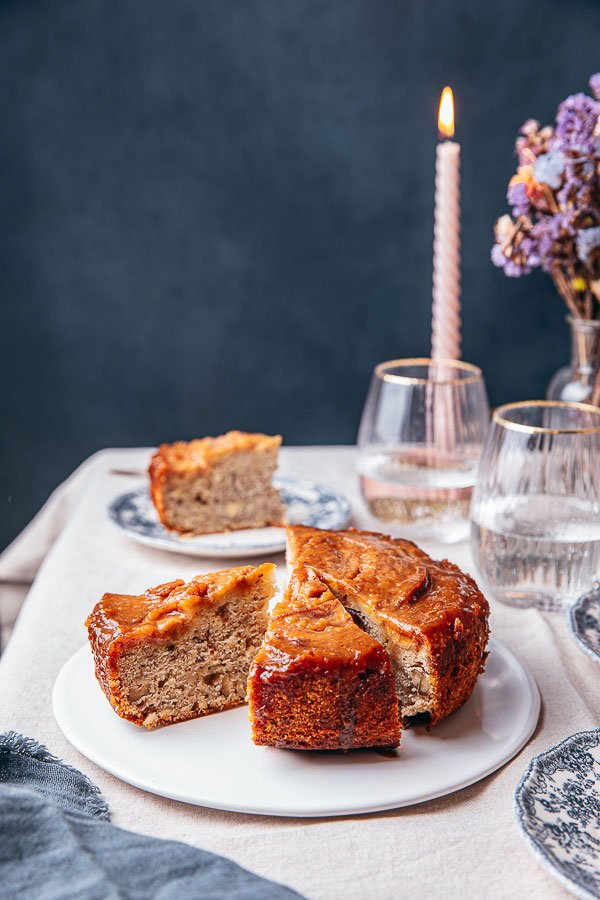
pixel 307 503
pixel 213 762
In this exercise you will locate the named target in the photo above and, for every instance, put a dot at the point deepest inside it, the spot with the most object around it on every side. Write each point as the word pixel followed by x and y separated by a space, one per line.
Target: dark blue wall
pixel 218 213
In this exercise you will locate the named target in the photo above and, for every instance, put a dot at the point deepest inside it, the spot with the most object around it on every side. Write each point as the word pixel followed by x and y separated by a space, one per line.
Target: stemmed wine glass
pixel 419 443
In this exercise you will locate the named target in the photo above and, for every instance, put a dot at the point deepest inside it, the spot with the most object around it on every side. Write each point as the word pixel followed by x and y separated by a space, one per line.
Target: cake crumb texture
pixel 179 650
pixel 217 484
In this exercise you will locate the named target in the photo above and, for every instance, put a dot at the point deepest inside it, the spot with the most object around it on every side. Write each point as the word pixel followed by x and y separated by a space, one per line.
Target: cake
pixel 181 650
pixel 217 484
pixel 430 617
pixel 319 682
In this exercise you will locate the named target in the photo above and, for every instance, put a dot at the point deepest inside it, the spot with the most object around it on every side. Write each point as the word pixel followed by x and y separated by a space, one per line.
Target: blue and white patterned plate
pixel 307 503
pixel 557 804
pixel 584 619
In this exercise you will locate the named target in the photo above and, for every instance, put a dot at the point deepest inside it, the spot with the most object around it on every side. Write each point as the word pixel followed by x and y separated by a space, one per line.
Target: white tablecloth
pixel 463 845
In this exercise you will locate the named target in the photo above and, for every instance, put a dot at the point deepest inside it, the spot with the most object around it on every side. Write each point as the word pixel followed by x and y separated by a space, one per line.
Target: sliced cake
pixel 431 617
pixel 319 682
pixel 217 484
pixel 181 650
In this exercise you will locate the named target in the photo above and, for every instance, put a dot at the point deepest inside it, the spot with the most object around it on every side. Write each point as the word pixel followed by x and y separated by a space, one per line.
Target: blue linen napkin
pixel 56 841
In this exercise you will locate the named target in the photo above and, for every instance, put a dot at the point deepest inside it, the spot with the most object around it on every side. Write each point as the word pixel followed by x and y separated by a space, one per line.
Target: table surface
pixel 464 845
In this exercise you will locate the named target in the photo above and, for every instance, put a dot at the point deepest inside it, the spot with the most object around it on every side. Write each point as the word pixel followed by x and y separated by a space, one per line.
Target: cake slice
pixel 217 484
pixel 181 650
pixel 430 616
pixel 319 682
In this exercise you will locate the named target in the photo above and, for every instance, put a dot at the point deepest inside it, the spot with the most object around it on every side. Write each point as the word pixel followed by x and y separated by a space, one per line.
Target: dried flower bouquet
pixel 555 200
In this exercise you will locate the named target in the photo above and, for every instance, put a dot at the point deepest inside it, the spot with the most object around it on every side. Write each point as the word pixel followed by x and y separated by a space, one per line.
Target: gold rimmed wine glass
pixel 536 506
pixel 419 443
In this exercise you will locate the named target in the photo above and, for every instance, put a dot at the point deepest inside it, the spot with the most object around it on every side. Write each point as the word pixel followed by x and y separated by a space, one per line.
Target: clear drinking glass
pixel 419 443
pixel 535 516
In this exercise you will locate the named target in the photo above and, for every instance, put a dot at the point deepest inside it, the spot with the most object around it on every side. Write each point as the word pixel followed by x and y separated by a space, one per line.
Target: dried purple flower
pixel 498 257
pixel 549 168
pixel 512 267
pixel 587 240
pixel 530 250
pixel 551 235
pixel 533 142
pixel 507 253
pixel 576 120
pixel 517 198
pixel 578 189
pixel 594 83
pixel 515 269
pixel 555 200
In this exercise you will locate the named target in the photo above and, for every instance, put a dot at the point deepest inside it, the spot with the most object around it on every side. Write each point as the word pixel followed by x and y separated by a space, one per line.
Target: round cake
pixel 428 616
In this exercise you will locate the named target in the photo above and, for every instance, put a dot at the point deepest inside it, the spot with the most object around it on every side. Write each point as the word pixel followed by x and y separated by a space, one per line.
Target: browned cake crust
pixel 180 650
pixel 217 484
pixel 319 682
pixel 430 616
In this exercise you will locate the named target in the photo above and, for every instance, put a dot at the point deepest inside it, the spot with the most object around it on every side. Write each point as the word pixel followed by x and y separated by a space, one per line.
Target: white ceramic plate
pixel 213 762
pixel 307 503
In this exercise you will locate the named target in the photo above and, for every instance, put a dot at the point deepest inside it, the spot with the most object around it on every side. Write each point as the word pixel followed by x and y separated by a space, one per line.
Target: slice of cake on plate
pixel 430 616
pixel 180 650
pixel 217 484
pixel 319 682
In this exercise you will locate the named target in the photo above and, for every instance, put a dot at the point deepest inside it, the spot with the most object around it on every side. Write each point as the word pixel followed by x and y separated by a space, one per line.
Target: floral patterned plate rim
pixel 557 804
pixel 584 619
pixel 307 503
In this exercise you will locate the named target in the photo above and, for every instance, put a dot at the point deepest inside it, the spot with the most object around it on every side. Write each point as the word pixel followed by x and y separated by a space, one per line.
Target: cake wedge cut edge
pixel 212 485
pixel 429 615
pixel 319 682
pixel 179 651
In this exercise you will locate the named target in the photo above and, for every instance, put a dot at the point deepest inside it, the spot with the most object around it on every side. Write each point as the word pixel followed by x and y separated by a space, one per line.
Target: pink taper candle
pixel 445 325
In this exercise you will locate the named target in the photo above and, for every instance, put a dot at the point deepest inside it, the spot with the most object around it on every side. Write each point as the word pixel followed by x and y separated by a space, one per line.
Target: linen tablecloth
pixel 464 845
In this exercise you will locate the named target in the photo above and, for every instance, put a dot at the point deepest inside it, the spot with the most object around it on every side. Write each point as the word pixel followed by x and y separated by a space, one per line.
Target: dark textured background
pixel 219 214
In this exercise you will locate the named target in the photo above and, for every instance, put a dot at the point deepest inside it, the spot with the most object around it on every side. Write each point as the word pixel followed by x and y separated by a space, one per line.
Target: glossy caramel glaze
pixel 197 455
pixel 310 627
pixel 160 613
pixel 407 588
pixel 416 600
pixel 187 459
pixel 319 682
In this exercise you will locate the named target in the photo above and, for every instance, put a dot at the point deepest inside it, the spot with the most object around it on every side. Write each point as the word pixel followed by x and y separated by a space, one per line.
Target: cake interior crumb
pixel 203 670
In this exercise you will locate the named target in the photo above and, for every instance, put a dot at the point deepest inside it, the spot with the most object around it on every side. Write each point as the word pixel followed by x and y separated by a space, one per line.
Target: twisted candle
pixel 445 325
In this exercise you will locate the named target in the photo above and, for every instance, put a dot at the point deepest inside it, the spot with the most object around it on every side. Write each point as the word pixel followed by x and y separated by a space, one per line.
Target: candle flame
pixel 446 114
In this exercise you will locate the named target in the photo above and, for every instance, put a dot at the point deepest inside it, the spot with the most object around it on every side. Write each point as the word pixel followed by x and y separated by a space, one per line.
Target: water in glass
pixel 535 518
pixel 419 444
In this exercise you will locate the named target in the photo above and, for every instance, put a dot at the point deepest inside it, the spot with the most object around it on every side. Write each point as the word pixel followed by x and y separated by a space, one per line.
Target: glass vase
pixel 575 383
